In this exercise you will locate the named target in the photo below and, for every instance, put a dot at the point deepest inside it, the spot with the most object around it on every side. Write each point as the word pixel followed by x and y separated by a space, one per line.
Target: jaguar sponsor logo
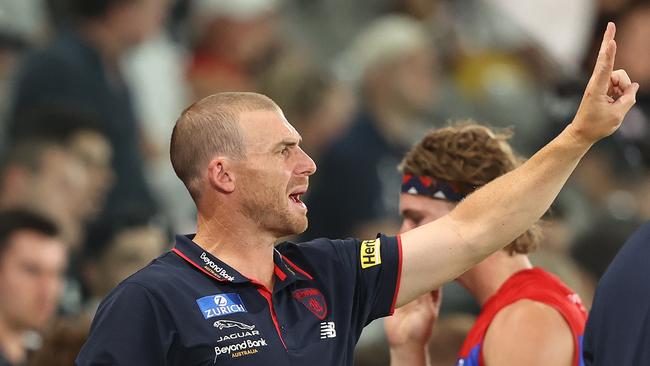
pixel 238 330
pixel 214 268
pixel 238 335
pixel 246 330
pixel 225 324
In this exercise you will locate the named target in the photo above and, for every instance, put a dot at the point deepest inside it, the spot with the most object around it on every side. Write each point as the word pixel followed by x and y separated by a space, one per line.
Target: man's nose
pixel 307 165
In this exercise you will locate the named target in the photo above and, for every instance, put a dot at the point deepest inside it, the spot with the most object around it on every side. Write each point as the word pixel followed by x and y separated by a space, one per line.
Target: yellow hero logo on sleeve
pixel 370 253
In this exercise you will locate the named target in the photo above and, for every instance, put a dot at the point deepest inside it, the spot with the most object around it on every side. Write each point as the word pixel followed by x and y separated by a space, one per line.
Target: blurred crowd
pixel 90 90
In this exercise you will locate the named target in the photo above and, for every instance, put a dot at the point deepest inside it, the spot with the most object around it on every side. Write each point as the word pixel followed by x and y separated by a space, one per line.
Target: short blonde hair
pixel 210 127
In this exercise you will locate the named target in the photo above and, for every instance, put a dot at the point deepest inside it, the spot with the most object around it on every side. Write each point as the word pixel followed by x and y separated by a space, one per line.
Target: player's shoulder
pixel 629 266
pixel 158 273
pixel 530 332
pixel 527 310
pixel 318 249
pixel 640 238
pixel 528 318
pixel 645 229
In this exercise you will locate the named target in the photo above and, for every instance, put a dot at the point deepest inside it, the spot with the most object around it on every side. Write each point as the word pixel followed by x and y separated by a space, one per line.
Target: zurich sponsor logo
pixel 220 304
pixel 215 269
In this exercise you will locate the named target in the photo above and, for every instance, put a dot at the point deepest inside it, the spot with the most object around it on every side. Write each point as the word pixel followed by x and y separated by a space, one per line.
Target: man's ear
pixel 220 175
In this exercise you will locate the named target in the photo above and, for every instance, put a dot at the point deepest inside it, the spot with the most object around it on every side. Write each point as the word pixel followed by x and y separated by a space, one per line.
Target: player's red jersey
pixel 530 284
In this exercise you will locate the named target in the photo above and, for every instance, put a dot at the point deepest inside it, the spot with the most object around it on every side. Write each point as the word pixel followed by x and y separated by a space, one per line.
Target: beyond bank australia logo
pixel 220 304
pixel 214 268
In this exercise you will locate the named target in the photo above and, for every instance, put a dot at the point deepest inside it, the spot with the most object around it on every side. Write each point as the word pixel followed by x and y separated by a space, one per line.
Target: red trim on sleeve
pixel 399 274
pixel 267 295
pixel 297 268
pixel 180 254
pixel 278 272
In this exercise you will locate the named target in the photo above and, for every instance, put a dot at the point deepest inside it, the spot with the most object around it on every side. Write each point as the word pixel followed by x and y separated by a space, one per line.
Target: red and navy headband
pixel 435 187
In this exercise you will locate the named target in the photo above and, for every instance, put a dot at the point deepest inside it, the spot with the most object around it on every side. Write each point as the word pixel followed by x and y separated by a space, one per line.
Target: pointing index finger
pixel 605 62
pixel 610 32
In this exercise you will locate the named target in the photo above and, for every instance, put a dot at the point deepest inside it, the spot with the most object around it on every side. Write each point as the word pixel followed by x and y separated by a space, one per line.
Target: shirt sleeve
pixel 371 269
pixel 130 328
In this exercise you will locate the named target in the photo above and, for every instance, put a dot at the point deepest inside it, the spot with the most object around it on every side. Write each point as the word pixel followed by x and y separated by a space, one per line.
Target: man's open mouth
pixel 295 198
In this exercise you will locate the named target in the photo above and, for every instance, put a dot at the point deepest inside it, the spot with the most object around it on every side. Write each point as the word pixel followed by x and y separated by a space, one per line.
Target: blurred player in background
pixel 528 317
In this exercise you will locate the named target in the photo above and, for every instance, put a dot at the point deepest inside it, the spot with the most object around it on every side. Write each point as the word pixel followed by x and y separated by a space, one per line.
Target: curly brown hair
pixel 470 153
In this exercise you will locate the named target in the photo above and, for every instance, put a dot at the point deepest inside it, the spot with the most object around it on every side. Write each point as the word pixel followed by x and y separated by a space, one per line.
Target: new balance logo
pixel 327 330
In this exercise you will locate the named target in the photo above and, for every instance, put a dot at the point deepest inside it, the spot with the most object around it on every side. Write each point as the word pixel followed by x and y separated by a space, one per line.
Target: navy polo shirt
pixel 618 328
pixel 189 308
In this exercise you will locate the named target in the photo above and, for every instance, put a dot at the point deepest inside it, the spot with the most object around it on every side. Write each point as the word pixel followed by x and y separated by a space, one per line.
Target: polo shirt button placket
pixel 269 299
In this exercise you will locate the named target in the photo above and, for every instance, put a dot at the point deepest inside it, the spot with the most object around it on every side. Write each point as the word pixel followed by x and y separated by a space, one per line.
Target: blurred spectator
pixel 32 262
pixel 86 140
pixel 355 190
pixel 234 41
pixel 11 47
pixel 45 177
pixel 155 71
pixel 632 34
pixel 116 248
pixel 88 147
pixel 61 342
pixel 80 70
pixel 24 19
pixel 632 55
pixel 327 25
pixel 316 104
pixel 633 31
pixel 437 16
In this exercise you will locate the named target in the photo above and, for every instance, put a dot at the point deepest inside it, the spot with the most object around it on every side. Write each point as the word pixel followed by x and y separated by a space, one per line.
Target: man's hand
pixel 607 98
pixel 494 215
pixel 409 329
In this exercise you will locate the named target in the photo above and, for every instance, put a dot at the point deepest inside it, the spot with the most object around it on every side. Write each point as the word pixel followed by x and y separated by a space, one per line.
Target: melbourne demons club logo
pixel 313 300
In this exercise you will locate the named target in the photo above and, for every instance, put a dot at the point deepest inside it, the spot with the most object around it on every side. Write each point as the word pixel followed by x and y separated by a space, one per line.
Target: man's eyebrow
pixel 288 142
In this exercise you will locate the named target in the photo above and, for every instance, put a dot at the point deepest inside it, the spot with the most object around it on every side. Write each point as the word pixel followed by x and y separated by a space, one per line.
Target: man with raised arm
pixel 228 295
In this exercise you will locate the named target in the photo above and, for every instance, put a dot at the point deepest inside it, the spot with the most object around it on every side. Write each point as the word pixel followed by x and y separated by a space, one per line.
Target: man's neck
pixel 243 247
pixel 12 345
pixel 485 279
